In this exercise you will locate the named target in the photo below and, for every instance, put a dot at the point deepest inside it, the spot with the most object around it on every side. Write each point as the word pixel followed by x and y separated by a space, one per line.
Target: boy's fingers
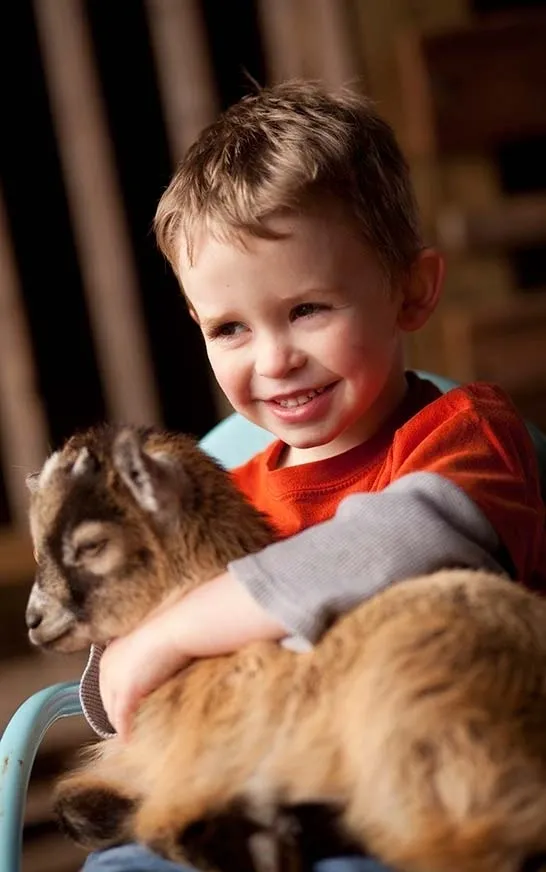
pixel 125 718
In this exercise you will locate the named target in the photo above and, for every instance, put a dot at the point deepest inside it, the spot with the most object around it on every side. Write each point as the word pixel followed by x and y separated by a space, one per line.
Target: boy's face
pixel 302 332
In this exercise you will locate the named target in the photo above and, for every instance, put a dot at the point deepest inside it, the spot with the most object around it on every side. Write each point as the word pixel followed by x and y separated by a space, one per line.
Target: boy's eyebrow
pixel 307 293
pixel 215 320
pixel 304 296
pixel 205 322
pixel 311 294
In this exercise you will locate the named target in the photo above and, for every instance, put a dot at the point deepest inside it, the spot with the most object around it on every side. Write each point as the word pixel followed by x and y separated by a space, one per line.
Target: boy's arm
pixel 218 617
pixel 465 492
pixel 418 524
pixel 294 587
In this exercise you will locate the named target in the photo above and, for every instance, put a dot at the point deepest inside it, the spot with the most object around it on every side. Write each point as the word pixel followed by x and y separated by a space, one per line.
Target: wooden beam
pixel 282 38
pixel 506 223
pixel 23 426
pixel 187 90
pixel 501 342
pixel 488 82
pixel 96 206
pixel 330 42
pixel 184 70
pixel 16 560
pixel 308 38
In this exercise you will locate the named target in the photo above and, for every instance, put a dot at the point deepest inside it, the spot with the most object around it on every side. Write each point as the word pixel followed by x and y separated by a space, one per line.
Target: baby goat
pixel 419 718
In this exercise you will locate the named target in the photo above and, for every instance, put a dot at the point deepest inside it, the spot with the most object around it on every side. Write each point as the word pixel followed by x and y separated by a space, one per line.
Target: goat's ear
pixel 85 464
pixel 32 481
pixel 150 479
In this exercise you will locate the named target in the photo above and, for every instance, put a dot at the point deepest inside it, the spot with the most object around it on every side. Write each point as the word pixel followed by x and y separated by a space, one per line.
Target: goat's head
pixel 119 516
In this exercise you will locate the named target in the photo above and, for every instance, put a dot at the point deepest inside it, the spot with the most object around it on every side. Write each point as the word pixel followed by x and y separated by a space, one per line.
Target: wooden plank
pixel 506 223
pixel 385 30
pixel 483 84
pixel 23 426
pixel 330 44
pixel 327 50
pixel 16 559
pixel 186 88
pixel 455 191
pixel 281 33
pixel 184 68
pixel 502 342
pixel 95 202
pixel 379 28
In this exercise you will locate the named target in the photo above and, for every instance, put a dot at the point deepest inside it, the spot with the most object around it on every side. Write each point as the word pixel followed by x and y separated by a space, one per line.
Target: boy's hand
pixel 135 665
pixel 217 617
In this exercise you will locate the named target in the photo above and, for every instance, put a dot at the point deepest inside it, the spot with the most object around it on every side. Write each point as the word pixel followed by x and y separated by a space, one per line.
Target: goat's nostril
pixel 33 619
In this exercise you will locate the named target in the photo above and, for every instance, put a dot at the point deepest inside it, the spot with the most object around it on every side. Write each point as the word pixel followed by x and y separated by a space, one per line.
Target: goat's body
pixel 420 717
pixel 412 716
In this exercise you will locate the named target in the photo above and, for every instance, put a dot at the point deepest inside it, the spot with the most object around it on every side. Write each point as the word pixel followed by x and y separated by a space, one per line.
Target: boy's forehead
pixel 304 230
pixel 282 224
pixel 191 245
pixel 304 252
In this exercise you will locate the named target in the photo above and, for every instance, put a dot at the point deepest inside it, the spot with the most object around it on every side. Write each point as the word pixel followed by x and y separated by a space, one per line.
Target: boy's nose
pixel 276 358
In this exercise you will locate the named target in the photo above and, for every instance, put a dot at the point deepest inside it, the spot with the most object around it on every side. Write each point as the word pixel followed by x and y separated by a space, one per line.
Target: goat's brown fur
pixel 421 715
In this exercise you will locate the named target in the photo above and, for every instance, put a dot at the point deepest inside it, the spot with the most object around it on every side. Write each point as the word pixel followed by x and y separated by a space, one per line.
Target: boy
pixel 292 227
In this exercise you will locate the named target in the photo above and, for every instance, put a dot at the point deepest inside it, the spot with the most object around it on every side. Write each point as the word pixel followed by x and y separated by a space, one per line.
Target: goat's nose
pixel 33 618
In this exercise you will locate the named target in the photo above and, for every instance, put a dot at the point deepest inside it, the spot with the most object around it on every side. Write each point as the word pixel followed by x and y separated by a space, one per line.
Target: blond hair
pixel 275 149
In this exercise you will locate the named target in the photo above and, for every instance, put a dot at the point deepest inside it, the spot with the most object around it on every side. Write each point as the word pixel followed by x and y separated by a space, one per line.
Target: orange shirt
pixel 471 435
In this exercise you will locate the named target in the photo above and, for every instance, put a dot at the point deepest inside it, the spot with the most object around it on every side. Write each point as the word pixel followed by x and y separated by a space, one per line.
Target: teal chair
pixel 232 442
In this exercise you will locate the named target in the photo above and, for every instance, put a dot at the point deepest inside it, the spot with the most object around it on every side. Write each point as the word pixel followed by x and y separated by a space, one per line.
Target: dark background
pixel 38 213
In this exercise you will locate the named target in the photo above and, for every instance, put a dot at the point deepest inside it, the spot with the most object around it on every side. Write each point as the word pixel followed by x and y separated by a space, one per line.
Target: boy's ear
pixel 193 313
pixel 421 290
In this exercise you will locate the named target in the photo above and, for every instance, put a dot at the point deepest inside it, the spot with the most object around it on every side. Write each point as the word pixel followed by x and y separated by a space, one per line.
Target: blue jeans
pixel 134 858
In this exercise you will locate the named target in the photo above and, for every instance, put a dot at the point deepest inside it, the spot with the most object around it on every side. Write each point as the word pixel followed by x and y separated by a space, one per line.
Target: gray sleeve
pixel 420 523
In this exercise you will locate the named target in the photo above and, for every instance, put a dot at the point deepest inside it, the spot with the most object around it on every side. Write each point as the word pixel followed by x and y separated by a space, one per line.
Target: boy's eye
pixel 230 328
pixel 304 310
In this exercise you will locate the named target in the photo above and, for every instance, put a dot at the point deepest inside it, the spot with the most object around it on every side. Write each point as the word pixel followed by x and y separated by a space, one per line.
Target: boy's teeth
pixel 301 400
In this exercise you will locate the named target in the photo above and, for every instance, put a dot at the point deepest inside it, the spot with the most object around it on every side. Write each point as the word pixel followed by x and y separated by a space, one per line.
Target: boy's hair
pixel 280 148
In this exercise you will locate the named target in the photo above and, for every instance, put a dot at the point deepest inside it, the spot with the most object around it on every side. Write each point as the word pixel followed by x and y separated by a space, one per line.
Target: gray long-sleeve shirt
pixel 420 523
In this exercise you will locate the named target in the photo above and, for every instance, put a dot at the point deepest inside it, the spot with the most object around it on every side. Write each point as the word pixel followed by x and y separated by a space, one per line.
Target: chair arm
pixel 18 747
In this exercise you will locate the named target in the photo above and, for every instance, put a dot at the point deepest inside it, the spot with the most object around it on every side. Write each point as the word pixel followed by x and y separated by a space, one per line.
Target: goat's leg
pixel 96 803
pixel 227 840
pixel 93 810
pixel 187 826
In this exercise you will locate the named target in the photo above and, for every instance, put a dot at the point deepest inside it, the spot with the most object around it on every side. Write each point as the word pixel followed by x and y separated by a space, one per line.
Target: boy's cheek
pixel 225 376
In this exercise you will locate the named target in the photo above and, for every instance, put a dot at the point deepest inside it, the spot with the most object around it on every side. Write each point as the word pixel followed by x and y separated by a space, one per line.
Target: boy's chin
pixel 322 445
pixel 302 441
pixel 308 450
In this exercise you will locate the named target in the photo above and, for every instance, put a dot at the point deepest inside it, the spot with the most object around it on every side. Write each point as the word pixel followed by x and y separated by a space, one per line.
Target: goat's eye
pixel 91 549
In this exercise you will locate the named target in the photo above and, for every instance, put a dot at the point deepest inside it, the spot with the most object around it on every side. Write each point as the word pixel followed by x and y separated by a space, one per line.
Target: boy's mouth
pixel 300 407
pixel 299 399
